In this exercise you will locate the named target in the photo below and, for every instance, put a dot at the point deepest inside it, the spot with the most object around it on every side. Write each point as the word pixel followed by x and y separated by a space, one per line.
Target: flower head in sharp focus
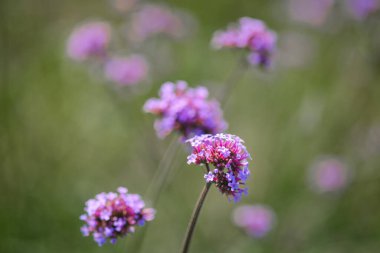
pixel 114 215
pixel 126 71
pixel 361 9
pixel 89 40
pixel 185 110
pixel 252 35
pixel 329 175
pixel 229 157
pixel 257 220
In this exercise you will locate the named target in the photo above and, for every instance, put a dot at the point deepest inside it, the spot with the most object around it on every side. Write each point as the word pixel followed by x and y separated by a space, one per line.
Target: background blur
pixel 66 136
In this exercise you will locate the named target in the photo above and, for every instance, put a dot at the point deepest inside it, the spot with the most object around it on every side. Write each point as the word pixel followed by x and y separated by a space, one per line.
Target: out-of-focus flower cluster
pixel 127 70
pixel 329 175
pixel 93 41
pixel 311 12
pixel 185 110
pixel 251 34
pixel 114 215
pixel 361 9
pixel 229 157
pixel 316 12
pixel 256 220
pixel 89 40
pixel 152 19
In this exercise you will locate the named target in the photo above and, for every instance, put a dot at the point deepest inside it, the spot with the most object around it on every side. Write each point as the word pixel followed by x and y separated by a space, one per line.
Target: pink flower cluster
pixel 154 19
pixel 89 40
pixel 114 215
pixel 257 220
pixel 127 71
pixel 329 175
pixel 185 110
pixel 251 34
pixel 229 157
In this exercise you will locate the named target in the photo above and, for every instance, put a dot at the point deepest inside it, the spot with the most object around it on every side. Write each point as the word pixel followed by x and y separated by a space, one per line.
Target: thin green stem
pixel 235 75
pixel 163 169
pixel 160 179
pixel 157 185
pixel 194 217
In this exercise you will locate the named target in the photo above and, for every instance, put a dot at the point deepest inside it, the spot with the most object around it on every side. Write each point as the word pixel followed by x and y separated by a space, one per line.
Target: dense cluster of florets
pixel 114 215
pixel 185 110
pixel 229 157
pixel 251 34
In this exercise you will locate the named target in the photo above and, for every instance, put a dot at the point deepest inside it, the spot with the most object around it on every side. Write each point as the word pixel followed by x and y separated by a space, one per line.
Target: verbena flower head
pixel 251 34
pixel 114 215
pixel 256 220
pixel 329 175
pixel 361 9
pixel 229 157
pixel 154 19
pixel 89 40
pixel 127 71
pixel 185 110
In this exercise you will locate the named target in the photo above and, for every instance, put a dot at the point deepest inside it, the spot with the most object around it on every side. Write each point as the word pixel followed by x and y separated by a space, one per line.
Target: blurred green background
pixel 65 136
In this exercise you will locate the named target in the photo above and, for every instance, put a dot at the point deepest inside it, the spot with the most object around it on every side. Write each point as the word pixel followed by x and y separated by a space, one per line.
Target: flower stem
pixel 163 169
pixel 235 75
pixel 157 185
pixel 160 179
pixel 194 218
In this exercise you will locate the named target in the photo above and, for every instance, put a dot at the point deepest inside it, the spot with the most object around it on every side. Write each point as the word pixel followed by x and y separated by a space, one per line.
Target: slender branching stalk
pixel 160 179
pixel 162 172
pixel 157 185
pixel 232 80
pixel 194 217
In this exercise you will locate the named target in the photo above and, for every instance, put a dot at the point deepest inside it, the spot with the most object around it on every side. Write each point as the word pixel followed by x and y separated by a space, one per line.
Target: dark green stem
pixel 194 217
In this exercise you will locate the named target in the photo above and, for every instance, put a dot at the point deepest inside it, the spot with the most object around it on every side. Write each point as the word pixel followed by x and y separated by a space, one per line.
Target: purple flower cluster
pixel 185 110
pixel 127 71
pixel 89 40
pixel 114 215
pixel 257 220
pixel 251 34
pixel 153 19
pixel 229 157
pixel 363 8
pixel 329 175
